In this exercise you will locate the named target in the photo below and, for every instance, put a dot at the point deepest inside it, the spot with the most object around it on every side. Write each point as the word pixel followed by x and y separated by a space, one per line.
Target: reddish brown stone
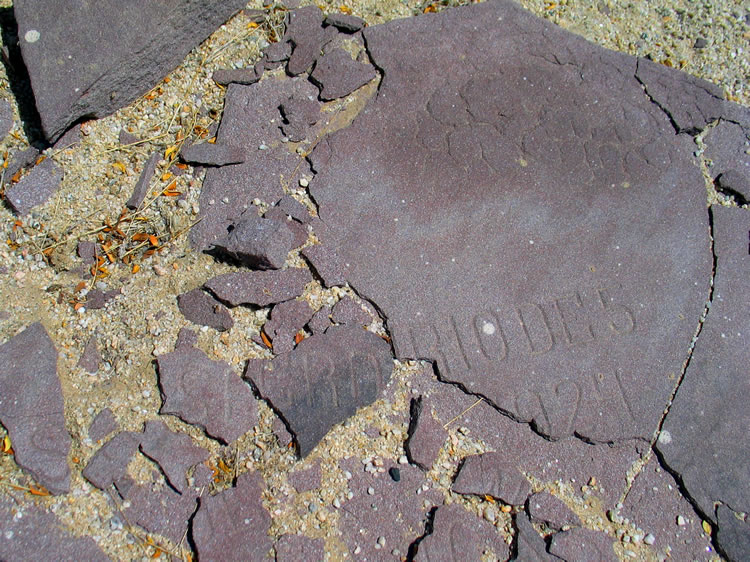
pixel 583 545
pixel 103 425
pixel 545 508
pixel 34 189
pixel 260 288
pixel 426 436
pixel 174 452
pixel 200 308
pixel 110 463
pixel 492 474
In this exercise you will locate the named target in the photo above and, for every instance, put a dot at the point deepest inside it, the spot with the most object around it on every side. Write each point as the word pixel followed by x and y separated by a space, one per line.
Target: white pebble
pixel 649 539
pixel 32 36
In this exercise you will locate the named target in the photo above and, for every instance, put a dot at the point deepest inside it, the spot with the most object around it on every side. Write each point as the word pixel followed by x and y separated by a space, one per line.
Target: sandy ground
pixel 144 320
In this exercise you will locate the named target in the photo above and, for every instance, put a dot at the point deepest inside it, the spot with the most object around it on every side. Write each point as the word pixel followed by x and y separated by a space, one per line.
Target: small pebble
pixel 370 490
pixel 681 521
pixel 395 473
pixel 649 539
pixel 303 182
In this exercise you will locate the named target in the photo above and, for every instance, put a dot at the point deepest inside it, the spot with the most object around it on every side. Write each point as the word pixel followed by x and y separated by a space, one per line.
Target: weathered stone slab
pixel 320 321
pixel 304 30
pixel 233 521
pixel 35 189
pixel 244 76
pixel 337 74
pixel 543 507
pixel 287 319
pixel 259 288
pixel 22 159
pixel 344 22
pixel 141 186
pixel 173 452
pixel 348 311
pixel 326 263
pixel 426 436
pixel 729 163
pixel 704 437
pixel 208 154
pixel 459 535
pixel 290 548
pixel 323 380
pixel 30 529
pixel 90 358
pixel 110 463
pixel 306 479
pixel 6 118
pixel 541 216
pixel 530 546
pixel 205 393
pixel 257 242
pixel 294 209
pixel 583 545
pixel 32 409
pixel 299 114
pixel 201 308
pixel 103 425
pixel 733 536
pixel 161 510
pixel 492 474
pixel 90 60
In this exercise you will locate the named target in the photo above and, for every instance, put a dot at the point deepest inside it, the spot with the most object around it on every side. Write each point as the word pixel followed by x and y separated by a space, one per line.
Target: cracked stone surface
pixel 338 75
pixel 543 507
pixel 173 452
pixel 584 545
pixel 201 308
pixel 259 288
pixel 161 510
pixel 153 38
pixel 726 150
pixel 103 425
pixel 257 242
pixel 530 545
pixel 491 474
pixel 110 463
pixel 287 319
pixel 31 407
pixel 290 548
pixel 426 436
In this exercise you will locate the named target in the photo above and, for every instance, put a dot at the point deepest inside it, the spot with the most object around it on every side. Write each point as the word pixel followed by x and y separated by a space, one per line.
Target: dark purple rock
pixel 704 437
pixel 736 184
pixel 304 30
pixel 583 545
pixel 207 154
pixel 70 138
pixel 245 76
pixel 726 149
pixel 250 121
pixel 299 114
pixel 173 452
pixel 538 214
pixel 344 22
pixel 161 510
pixel 320 321
pixel 690 103
pixel 21 160
pixel 31 531
pixel 306 479
pixel 426 436
pixel 31 407
pixel 233 521
pixel 90 358
pixel 337 74
pixel 86 251
pixel 323 380
pixel 110 463
pixel 34 189
pixel 348 311
pixel 530 546
pixel 141 186
pixel 294 208
pixel 96 299
pixel 492 474
pixel 287 318
pixel 103 424
pixel 278 52
pixel 186 337
pixel 90 60
pixel 257 242
pixel 293 548
pixel 201 308
pixel 299 230
pixel 259 288
pixel 6 118
pixel 205 393
pixel 125 138
pixel 326 263
pixel 733 536
pixel 459 535
pixel 545 508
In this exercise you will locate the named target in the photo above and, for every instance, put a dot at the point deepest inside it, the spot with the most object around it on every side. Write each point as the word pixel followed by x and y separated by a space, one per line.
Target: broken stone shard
pixel 205 393
pixel 320 321
pixel 6 118
pixel 173 452
pixel 32 409
pixel 245 76
pixel 160 510
pixel 233 521
pixel 257 242
pixel 141 186
pixel 604 244
pixel 349 311
pixel 426 435
pixel 299 114
pixel 90 60
pixel 110 463
pixel 36 188
pixel 323 380
pixel 287 319
pixel 459 535
pixel 326 263
pixel 208 154
pixel 530 546
pixel 259 288
pixel 543 507
pixel 492 474
pixel 733 536
pixel 704 436
pixel 23 159
pixel 103 425
pixel 344 22
pixel 583 545
pixel 304 30
pixel 200 308
pixel 736 184
pixel 726 154
pixel 90 358
pixel 337 74
pixel 294 209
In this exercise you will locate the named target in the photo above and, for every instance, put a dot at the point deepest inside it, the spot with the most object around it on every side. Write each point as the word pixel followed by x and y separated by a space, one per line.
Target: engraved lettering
pixel 535 328
pixel 572 314
pixel 490 336
pixel 624 319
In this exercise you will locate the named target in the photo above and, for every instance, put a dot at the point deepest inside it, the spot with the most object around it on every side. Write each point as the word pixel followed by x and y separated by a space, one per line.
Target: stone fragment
pixel 492 474
pixel 90 358
pixel 344 22
pixel 537 210
pixel 96 299
pixel 201 308
pixel 161 510
pixel 529 545
pixel 31 407
pixel 426 436
pixel 326 263
pixel 583 545
pixel 299 114
pixel 733 536
pixel 23 159
pixel 208 154
pixel 6 118
pixel 103 425
pixel 276 53
pixel 291 548
pixel 690 103
pixel 259 288
pixel 306 479
pixel 294 209
pixel 233 521
pixel 90 60
pixel 250 121
pixel 205 393
pixel 704 437
pixel 173 452
pixel 244 76
pixel 304 30
pixel 545 508
pixel 320 321
pixel 349 311
pixel 729 162
pixel 298 230
pixel 86 251
pixel 110 463
pixel 323 380
pixel 34 189
pixel 125 138
pixel 736 184
pixel 33 531
pixel 337 74
pixel 186 337
pixel 70 138
pixel 287 319
pixel 141 186
pixel 459 535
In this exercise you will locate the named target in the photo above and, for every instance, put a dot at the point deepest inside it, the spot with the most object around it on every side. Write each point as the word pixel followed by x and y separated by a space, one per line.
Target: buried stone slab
pixel 583 545
pixel 704 437
pixel 36 188
pixel 530 547
pixel 323 380
pixel 88 60
pixel 337 74
pixel 110 463
pixel 426 436
pixel 491 474
pixel 258 242
pixel 259 288
pixel 201 308
pixel 32 409
pixel 173 452
pixel 287 319
pixel 525 216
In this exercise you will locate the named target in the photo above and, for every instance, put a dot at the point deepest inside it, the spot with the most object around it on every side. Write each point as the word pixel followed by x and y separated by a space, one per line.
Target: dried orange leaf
pixel 166 175
pixel 252 25
pixel 212 140
pixel 40 160
pixel 170 152
pixel 16 177
pixel 266 340
pixel 172 193
pixel 140 237
pixel 78 306
pixel 299 336
pixel 136 268
pixel 7 448
pixel 167 79
pixel 489 498
pixel 181 166
pixel 149 253
pixel 40 491
pixel 153 240
pixel 120 166
pixel 80 287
